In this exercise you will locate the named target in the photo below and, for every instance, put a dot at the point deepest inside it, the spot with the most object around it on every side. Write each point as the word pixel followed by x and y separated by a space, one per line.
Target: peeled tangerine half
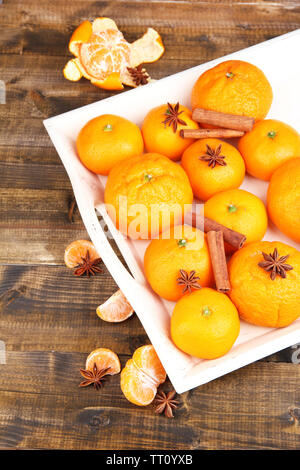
pixel 115 309
pixel 104 359
pixel 141 376
pixel 103 55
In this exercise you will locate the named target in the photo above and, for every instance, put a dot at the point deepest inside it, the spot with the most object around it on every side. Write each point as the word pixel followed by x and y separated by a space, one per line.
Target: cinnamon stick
pixel 206 133
pixel 224 120
pixel 233 238
pixel 217 255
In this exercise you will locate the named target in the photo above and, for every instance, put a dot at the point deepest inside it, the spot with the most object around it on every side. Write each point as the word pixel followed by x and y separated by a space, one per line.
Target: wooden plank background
pixel 47 316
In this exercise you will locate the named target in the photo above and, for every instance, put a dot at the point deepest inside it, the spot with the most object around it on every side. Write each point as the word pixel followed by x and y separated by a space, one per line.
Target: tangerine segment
pixel 107 140
pixel 103 358
pixel 76 252
pixel 283 199
pixel 146 194
pixel 234 87
pixel 136 389
pixel 259 299
pixel 146 359
pixel 80 35
pixel 205 324
pixel 106 52
pixel 161 138
pixel 115 309
pixel 142 375
pixel 208 180
pixel 164 258
pixel 267 146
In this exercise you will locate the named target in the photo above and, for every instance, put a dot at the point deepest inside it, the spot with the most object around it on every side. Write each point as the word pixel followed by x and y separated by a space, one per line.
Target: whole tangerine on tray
pixel 107 140
pixel 234 87
pixel 141 376
pixel 283 198
pixel 170 262
pixel 146 194
pixel 213 165
pixel 265 283
pixel 161 129
pixel 205 324
pixel 267 146
pixel 239 210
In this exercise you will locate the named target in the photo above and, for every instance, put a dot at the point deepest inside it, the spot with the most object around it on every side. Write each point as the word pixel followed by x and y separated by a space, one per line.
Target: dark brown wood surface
pixel 47 316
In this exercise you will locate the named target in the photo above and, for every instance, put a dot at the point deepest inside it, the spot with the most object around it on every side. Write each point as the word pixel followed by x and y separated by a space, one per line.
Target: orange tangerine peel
pixel 115 309
pixel 103 56
pixel 141 376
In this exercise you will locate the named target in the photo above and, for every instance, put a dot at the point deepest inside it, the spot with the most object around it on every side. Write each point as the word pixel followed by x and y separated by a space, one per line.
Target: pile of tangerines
pixel 264 276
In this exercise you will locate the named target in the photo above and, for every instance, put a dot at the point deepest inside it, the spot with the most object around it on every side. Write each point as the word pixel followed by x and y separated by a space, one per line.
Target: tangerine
pixel 205 324
pixel 107 140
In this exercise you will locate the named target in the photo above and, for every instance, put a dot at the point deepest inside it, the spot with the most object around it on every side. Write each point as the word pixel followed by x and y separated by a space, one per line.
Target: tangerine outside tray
pixel 277 59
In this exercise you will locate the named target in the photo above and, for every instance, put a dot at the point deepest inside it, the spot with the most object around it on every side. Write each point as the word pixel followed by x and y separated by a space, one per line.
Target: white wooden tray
pixel 277 59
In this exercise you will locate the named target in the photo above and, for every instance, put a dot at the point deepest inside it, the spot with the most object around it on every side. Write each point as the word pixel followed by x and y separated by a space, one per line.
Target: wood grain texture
pixel 47 316
pixel 47 410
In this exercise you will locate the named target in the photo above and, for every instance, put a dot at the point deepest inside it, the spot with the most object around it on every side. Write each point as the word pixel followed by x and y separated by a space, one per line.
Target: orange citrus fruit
pixel 141 376
pixel 267 146
pixel 213 165
pixel 104 359
pixel 239 210
pixel 261 296
pixel 115 309
pixel 77 251
pixel 234 87
pixel 283 199
pixel 164 258
pixel 106 52
pixel 107 140
pixel 103 56
pixel 161 136
pixel 205 324
pixel 146 194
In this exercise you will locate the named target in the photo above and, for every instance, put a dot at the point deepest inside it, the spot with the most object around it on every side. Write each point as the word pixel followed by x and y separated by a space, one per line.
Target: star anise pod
pixel 165 403
pixel 213 156
pixel 88 266
pixel 172 118
pixel 276 265
pixel 95 376
pixel 188 280
pixel 138 75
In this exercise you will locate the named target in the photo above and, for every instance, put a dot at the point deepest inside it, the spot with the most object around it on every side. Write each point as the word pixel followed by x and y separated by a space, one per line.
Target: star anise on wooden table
pixel 213 156
pixel 275 264
pixel 88 266
pixel 172 118
pixel 93 377
pixel 188 280
pixel 165 403
pixel 138 75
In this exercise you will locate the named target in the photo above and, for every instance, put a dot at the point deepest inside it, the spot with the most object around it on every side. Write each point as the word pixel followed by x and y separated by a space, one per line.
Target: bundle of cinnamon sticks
pixel 216 235
pixel 228 125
